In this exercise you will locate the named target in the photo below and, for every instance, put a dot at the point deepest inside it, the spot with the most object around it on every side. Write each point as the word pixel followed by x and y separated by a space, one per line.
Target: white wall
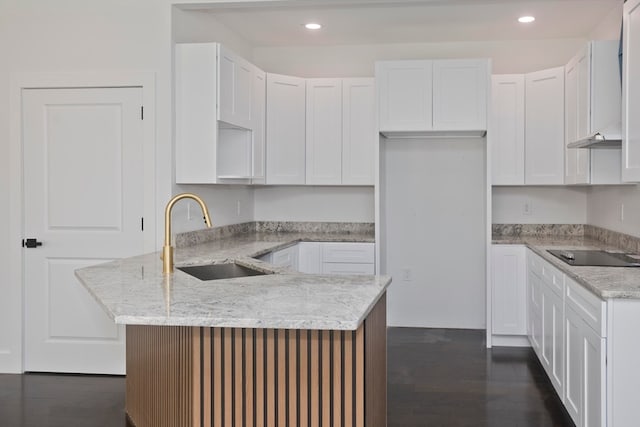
pixel 516 56
pixel 547 205
pixel 435 227
pixel 333 204
pixel 604 206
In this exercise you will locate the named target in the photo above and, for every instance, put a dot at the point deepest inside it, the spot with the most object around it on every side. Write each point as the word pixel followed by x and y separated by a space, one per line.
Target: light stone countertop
pixel 605 282
pixel 134 291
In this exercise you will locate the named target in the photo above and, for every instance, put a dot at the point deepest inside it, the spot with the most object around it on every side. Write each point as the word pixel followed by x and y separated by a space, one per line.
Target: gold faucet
pixel 167 249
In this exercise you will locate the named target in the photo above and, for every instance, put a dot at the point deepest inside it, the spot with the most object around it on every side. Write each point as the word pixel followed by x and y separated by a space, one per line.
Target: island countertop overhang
pixel 133 291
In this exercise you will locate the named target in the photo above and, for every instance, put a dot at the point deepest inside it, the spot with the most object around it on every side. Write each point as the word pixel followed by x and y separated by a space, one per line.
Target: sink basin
pixel 220 271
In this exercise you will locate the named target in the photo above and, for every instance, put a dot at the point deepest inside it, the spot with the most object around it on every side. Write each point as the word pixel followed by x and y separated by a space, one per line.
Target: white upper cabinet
pixel 544 133
pixel 235 83
pixel 507 129
pixel 285 129
pixel 577 113
pixel 324 132
pixel 258 118
pixel 220 109
pixel 460 94
pixel 425 96
pixel 405 95
pixel 631 92
pixel 358 131
pixel 592 104
pixel 340 131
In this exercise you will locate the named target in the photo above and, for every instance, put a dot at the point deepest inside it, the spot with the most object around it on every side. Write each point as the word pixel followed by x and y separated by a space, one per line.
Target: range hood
pixel 433 134
pixel 610 137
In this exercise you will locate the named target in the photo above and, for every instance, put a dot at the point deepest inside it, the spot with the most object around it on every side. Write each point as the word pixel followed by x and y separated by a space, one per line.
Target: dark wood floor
pixel 436 378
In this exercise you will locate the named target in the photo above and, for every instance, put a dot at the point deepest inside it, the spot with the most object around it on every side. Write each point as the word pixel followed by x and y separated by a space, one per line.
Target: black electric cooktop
pixel 595 258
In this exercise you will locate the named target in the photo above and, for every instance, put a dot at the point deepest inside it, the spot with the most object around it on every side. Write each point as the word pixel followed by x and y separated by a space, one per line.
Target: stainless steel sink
pixel 220 271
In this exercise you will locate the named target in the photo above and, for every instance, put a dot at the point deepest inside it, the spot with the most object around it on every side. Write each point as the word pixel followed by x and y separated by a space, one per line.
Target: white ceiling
pixel 410 21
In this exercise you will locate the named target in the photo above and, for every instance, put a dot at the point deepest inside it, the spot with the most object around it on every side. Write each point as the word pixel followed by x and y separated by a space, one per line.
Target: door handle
pixel 30 243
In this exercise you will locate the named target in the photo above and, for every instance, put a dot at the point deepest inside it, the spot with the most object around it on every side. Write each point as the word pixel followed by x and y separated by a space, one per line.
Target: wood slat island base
pixel 183 376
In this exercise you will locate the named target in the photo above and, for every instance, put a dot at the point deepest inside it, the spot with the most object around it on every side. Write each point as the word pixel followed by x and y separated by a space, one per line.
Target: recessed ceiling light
pixel 526 19
pixel 312 26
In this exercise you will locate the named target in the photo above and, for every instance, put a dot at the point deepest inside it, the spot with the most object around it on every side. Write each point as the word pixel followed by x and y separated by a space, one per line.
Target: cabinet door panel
pixel 235 84
pixel 405 95
pixel 509 290
pixel 258 117
pixel 460 94
pixel 285 130
pixel 594 379
pixel 507 129
pixel 324 132
pixel 631 92
pixel 574 366
pixel 358 131
pixel 544 133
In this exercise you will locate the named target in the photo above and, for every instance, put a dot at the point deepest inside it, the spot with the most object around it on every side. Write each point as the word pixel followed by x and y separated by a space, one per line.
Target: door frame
pixel 13 359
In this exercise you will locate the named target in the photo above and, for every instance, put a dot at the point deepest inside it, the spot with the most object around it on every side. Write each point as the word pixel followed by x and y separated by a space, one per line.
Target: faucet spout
pixel 167 249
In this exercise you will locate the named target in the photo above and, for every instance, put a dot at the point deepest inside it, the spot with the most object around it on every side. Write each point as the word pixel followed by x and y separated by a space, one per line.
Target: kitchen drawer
pixel 353 253
pixel 347 268
pixel 588 306
pixel 534 263
pixel 553 277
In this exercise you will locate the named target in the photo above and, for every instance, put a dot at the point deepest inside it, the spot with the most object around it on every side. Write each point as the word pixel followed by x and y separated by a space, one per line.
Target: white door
pixel 544 130
pixel 358 131
pixel 507 129
pixel 83 200
pixel 285 130
pixel 460 94
pixel 324 132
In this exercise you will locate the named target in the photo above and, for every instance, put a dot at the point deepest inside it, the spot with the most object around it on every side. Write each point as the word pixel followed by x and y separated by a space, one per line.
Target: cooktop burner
pixel 595 258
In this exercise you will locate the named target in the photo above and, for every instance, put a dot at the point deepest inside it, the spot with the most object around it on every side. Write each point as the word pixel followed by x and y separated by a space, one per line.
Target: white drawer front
pixel 534 263
pixel 553 277
pixel 347 268
pixel 588 306
pixel 354 253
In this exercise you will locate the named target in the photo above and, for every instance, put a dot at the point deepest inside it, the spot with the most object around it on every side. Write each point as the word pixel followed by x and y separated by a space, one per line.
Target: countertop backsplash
pixel 622 241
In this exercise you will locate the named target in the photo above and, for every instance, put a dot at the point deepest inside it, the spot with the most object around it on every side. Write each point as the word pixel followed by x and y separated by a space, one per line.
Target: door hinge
pixel 142 112
pixel 142 223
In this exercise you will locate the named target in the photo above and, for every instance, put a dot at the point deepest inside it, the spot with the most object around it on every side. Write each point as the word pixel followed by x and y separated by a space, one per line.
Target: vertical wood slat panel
pixel 314 403
pixel 303 391
pixel 359 376
pixel 249 381
pixel 281 395
pixel 181 377
pixel 337 378
pixel 238 379
pixel 271 379
pixel 227 395
pixel 376 365
pixel 217 377
pixel 326 379
pixel 292 394
pixel 160 381
pixel 260 378
pixel 348 379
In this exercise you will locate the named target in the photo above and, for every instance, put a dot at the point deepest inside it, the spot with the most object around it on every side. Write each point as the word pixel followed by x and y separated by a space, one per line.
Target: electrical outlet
pixel 527 208
pixel 238 207
pixel 189 211
pixel 406 274
pixel 621 212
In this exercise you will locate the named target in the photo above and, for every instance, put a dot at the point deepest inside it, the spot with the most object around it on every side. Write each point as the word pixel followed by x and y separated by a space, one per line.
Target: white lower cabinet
pixel 326 258
pixel 509 290
pixel 567 330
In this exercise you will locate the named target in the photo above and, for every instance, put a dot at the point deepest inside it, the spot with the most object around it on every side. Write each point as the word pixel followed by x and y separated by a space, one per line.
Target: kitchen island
pixel 282 348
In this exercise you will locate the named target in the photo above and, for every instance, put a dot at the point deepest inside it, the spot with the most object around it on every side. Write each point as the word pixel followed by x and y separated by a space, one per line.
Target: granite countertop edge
pixel 604 282
pixel 133 291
